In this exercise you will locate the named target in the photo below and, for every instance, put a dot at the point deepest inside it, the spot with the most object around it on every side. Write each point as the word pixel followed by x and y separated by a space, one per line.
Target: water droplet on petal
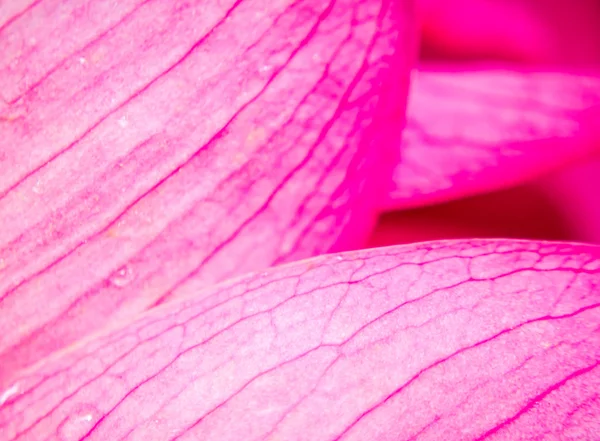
pixel 79 423
pixel 339 258
pixel 122 277
pixel 38 187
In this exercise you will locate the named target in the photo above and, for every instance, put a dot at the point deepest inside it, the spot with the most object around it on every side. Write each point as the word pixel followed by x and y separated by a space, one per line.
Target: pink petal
pixel 154 147
pixel 531 31
pixel 465 340
pixel 575 191
pixel 526 211
pixel 476 131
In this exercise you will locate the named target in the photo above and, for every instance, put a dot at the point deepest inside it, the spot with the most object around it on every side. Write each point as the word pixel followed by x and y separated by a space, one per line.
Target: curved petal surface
pixel 462 340
pixel 150 147
pixel 476 131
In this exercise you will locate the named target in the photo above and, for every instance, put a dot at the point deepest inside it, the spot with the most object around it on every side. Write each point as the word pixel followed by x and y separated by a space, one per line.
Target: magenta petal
pixel 457 340
pixel 477 131
pixel 531 31
pixel 575 191
pixel 152 147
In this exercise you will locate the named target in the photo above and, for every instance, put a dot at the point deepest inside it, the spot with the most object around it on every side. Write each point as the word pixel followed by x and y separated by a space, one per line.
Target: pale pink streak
pixel 473 131
pixel 457 340
pixel 153 147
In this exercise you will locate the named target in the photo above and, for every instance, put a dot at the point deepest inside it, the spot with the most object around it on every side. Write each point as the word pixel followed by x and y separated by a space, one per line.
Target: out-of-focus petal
pixel 152 147
pixel 465 340
pixel 526 211
pixel 557 32
pixel 476 131
pixel 576 190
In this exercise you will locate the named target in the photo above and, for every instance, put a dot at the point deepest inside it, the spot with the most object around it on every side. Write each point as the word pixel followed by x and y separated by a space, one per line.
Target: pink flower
pixel 506 128
pixel 472 340
pixel 158 157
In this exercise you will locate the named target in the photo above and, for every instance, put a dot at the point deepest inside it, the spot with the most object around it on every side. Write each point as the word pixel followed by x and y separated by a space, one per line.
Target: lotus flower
pixel 187 190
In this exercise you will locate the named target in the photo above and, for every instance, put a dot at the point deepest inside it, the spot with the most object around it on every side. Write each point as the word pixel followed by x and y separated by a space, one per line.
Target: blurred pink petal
pixel 576 191
pixel 153 147
pixel 470 132
pixel 466 340
pixel 556 32
pixel 530 31
pixel 524 211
